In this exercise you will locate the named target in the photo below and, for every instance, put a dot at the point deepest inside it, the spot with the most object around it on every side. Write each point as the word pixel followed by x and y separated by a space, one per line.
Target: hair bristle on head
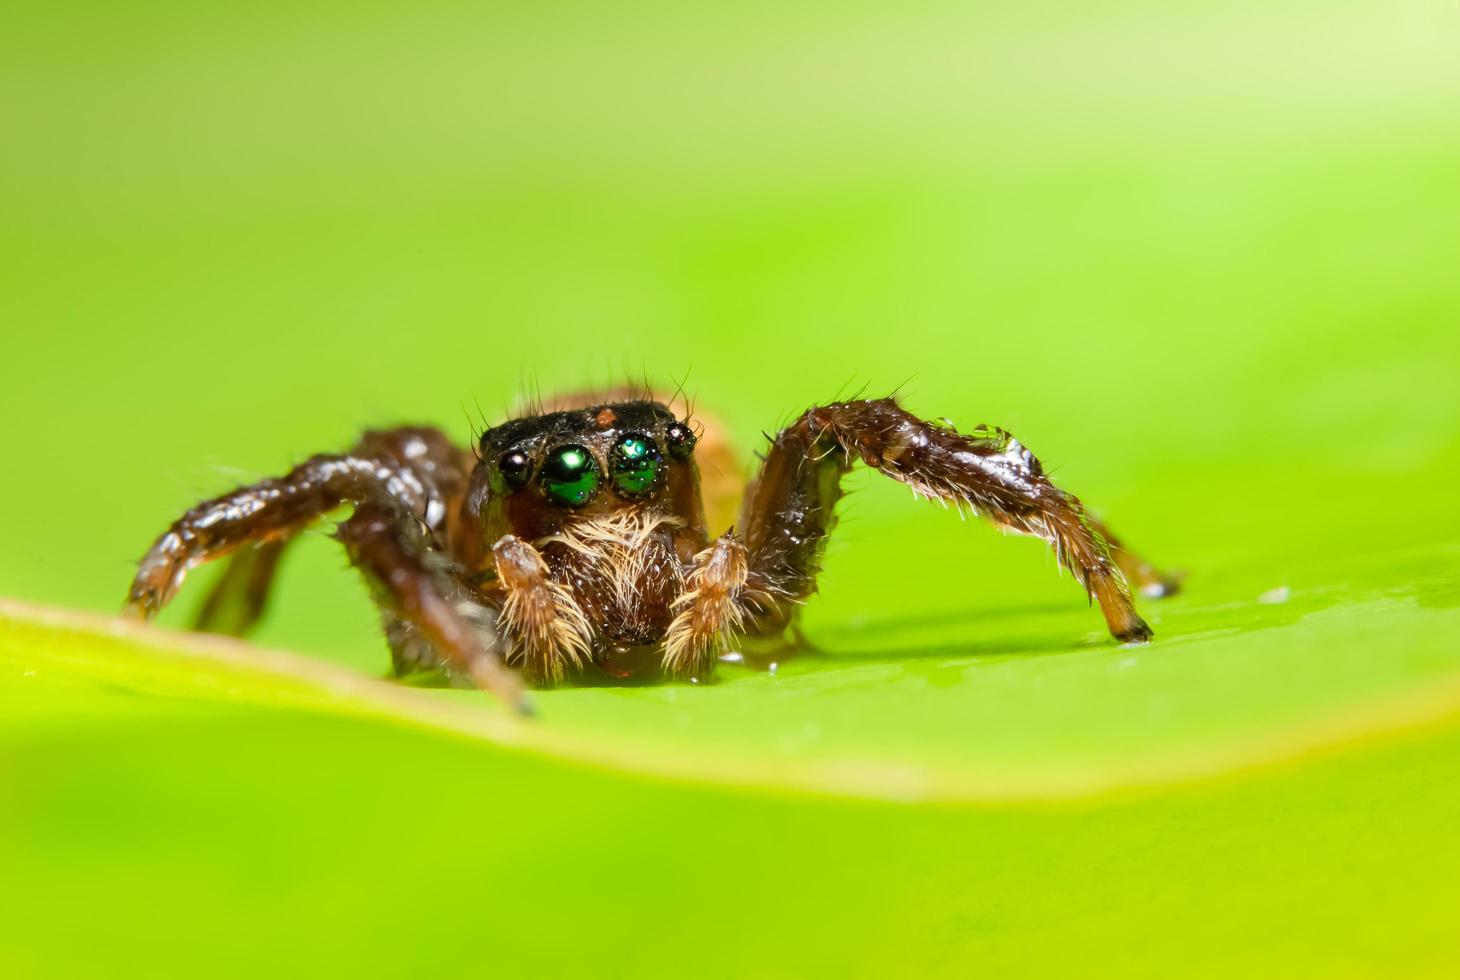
pixel 675 398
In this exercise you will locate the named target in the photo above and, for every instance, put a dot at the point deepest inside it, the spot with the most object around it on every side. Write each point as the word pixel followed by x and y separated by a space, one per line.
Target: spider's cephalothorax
pixel 575 541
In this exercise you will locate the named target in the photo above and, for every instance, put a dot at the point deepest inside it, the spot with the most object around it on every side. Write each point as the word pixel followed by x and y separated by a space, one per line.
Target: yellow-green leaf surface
pixel 1201 260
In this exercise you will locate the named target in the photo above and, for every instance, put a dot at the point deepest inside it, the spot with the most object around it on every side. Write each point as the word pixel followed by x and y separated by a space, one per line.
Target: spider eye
pixel 680 439
pixel 570 476
pixel 515 467
pixel 637 465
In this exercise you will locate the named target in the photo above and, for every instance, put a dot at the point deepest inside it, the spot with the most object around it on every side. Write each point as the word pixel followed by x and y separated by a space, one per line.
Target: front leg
pixel 416 468
pixel 790 509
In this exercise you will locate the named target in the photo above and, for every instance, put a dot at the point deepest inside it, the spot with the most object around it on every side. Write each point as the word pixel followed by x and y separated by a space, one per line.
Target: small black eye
pixel 515 467
pixel 680 440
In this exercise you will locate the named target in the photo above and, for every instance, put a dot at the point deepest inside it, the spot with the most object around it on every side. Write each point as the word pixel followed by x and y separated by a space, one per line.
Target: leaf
pixel 1071 724
pixel 1090 792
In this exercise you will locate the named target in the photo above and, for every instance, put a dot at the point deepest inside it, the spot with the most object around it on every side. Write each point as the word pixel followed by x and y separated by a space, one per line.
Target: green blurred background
pixel 1203 260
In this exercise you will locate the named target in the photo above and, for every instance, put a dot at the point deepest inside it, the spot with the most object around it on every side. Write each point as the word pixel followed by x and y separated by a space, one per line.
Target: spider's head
pixel 546 469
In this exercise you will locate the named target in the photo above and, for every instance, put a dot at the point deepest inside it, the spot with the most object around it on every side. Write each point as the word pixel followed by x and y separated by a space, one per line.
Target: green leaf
pixel 935 726
pixel 1084 792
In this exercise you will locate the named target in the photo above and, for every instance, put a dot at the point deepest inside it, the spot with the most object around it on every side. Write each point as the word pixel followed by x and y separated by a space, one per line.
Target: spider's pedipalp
pixel 710 611
pixel 547 633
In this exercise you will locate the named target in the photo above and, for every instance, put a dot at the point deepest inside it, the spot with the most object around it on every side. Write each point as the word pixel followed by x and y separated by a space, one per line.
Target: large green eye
pixel 637 465
pixel 569 476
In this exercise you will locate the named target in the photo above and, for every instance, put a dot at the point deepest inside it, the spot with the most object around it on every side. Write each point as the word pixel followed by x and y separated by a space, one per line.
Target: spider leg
pixel 420 589
pixel 1149 580
pixel 416 468
pixel 237 600
pixel 790 507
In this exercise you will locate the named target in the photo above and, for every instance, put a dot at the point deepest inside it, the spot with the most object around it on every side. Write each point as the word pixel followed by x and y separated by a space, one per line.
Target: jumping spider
pixel 575 540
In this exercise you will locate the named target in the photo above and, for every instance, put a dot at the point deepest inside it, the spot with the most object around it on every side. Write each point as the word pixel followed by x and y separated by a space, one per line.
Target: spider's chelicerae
pixel 575 540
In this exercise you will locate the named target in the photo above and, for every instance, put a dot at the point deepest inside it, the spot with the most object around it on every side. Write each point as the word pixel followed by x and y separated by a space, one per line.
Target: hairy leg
pixel 790 508
pixel 548 632
pixel 237 600
pixel 422 592
pixel 416 468
pixel 1149 580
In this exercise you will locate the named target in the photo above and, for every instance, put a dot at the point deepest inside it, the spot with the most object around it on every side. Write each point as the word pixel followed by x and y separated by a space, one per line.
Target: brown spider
pixel 574 540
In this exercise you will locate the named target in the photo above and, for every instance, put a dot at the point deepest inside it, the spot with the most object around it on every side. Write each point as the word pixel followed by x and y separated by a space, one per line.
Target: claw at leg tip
pixel 1137 633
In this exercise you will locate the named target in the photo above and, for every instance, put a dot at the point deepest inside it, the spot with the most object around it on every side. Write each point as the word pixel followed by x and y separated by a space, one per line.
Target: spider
pixel 573 542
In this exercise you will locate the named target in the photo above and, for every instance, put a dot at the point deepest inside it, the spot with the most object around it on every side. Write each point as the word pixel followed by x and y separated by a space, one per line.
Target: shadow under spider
pixel 769 655
pixel 1052 639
